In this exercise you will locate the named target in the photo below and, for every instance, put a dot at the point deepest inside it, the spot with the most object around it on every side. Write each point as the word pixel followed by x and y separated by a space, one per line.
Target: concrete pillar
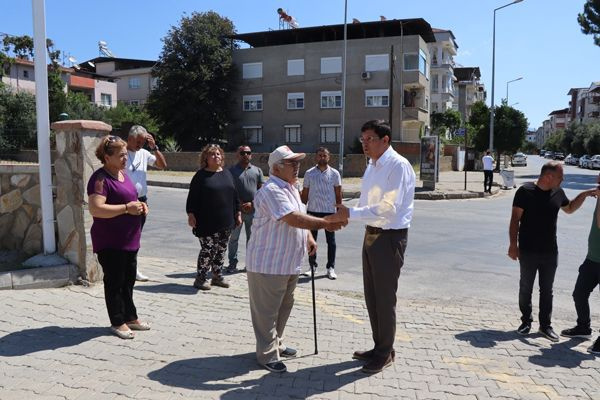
pixel 76 143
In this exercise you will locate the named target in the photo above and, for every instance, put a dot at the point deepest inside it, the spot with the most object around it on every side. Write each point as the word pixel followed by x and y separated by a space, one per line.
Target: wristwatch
pixel 154 149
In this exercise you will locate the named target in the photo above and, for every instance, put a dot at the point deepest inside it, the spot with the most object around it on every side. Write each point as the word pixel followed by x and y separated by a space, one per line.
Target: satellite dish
pixel 91 64
pixel 77 67
pixel 72 60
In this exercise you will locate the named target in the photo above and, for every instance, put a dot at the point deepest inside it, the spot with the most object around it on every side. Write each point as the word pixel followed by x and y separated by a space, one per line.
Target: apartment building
pixel 101 90
pixel 470 90
pixel 290 84
pixel 133 77
pixel 443 81
pixel 559 119
pixel 584 106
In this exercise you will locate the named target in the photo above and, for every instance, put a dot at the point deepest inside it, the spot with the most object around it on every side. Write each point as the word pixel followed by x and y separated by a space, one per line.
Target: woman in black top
pixel 213 210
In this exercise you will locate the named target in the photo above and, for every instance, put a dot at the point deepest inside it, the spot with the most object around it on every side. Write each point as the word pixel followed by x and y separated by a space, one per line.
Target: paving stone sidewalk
pixel 55 344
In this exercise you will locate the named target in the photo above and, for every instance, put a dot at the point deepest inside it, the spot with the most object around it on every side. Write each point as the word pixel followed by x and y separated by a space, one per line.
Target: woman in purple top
pixel 116 234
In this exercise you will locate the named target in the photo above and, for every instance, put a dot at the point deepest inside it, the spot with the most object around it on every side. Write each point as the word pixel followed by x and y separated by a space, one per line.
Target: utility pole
pixel 391 90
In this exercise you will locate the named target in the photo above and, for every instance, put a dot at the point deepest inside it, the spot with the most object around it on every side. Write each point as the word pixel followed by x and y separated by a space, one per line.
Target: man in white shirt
pixel 138 160
pixel 386 206
pixel 488 172
pixel 321 191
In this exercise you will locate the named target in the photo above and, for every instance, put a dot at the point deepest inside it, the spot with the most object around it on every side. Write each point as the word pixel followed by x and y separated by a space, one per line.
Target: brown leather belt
pixel 373 229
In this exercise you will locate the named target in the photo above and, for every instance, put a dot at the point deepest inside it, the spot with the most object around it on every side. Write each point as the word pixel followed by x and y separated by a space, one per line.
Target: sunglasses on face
pixel 111 139
pixel 245 153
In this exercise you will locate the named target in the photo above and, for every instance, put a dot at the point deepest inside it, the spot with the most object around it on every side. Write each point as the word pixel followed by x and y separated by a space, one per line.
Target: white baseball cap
pixel 284 153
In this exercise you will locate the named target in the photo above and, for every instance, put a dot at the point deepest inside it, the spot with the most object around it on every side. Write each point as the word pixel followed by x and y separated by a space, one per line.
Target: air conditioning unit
pixel 365 75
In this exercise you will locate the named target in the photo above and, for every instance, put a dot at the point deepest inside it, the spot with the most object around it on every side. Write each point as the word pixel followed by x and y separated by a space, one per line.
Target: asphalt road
pixel 455 247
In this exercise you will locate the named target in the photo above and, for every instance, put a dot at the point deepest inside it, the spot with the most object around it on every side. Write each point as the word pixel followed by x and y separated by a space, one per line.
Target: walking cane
pixel 312 274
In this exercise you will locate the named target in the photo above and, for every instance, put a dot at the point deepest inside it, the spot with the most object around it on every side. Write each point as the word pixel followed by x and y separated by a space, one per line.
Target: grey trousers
pixel 383 257
pixel 271 301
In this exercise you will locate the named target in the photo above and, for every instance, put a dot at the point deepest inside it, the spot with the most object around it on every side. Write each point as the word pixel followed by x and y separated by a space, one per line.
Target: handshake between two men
pixel 339 219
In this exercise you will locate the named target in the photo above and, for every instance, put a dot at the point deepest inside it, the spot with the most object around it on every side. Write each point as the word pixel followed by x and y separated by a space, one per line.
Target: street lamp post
pixel 514 80
pixel 494 71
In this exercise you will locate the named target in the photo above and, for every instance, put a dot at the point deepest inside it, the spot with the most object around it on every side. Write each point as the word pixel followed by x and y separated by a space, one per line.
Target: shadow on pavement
pixel 308 279
pixel 30 341
pixel 171 288
pixel 561 355
pixel 190 275
pixel 487 338
pixel 217 374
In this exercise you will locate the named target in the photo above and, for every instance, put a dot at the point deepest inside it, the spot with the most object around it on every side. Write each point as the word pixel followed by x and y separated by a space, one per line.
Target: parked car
pixel 572 159
pixel 542 153
pixel 559 156
pixel 519 159
pixel 594 162
pixel 549 154
pixel 583 161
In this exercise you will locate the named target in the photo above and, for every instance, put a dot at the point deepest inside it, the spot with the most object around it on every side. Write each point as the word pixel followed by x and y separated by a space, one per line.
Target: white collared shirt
pixel 276 247
pixel 387 193
pixel 136 168
pixel 321 189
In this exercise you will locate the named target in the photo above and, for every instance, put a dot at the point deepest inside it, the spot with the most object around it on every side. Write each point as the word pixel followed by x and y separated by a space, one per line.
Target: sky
pixel 539 40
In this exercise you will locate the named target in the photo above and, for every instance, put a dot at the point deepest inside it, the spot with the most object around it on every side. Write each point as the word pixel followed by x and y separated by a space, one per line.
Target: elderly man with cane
pixel 280 240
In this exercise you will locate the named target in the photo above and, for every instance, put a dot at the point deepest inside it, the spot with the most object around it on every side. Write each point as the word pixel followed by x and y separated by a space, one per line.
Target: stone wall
pixel 20 208
pixel 76 143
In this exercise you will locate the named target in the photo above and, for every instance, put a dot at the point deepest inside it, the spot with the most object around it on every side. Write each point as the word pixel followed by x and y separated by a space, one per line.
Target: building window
pixel 134 102
pixel 253 102
pixel 25 74
pixel 331 65
pixel 295 101
pixel 153 83
pixel 252 70
pixel 377 62
pixel 106 99
pixel 253 134
pixel 295 67
pixel 293 133
pixel 330 133
pixel 423 63
pixel 414 62
pixel 377 98
pixel 135 83
pixel 435 107
pixel 435 83
pixel 331 99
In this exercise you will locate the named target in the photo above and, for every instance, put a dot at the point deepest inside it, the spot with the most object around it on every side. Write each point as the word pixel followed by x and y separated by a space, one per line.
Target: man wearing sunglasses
pixel 248 179
pixel 138 160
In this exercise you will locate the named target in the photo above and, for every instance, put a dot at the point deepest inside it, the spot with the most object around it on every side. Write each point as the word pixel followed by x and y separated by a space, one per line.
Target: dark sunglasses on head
pixel 245 153
pixel 111 139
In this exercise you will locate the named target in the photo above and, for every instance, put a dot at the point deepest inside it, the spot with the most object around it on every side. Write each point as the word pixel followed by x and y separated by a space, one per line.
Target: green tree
pixel 479 124
pixel 124 116
pixel 78 106
pixel 553 143
pixel 590 20
pixel 510 128
pixel 196 80
pixel 449 120
pixel 592 140
pixel 17 120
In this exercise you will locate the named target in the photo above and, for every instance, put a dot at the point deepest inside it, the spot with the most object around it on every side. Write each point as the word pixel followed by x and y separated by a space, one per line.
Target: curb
pixel 39 278
pixel 423 195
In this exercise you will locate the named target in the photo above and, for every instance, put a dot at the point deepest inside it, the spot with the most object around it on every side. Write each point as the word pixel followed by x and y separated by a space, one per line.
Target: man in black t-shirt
pixel 533 222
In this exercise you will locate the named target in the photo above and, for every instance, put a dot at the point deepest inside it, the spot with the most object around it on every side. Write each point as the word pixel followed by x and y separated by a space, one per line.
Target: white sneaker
pixel 308 272
pixel 331 274
pixel 140 277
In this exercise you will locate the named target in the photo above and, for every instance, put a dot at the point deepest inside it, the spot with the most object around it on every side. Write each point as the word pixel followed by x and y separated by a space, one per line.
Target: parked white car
pixel 519 159
pixel 583 161
pixel 594 162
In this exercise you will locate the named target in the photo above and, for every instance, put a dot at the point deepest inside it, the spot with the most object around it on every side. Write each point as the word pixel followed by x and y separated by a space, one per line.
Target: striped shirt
pixel 275 247
pixel 321 195
pixel 387 193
